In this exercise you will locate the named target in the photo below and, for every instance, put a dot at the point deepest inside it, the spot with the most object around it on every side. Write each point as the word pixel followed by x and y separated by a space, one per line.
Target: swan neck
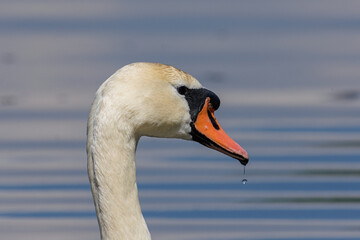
pixel 112 174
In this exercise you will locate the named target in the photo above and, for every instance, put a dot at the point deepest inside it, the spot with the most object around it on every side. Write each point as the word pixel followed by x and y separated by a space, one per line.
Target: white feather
pixel 140 99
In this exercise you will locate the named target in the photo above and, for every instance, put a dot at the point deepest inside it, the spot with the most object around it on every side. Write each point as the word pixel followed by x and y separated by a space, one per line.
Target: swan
pixel 143 99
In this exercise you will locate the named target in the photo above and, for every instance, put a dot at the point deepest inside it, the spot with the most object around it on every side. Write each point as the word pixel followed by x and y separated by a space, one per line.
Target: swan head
pixel 159 100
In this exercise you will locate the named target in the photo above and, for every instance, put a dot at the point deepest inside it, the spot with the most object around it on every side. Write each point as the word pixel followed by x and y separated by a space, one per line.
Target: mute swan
pixel 143 99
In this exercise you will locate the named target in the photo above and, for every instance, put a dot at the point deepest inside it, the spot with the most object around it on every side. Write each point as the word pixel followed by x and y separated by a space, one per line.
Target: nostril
pixel 213 121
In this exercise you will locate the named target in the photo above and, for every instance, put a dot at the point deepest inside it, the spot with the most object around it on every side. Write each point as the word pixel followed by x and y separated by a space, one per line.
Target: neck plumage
pixel 112 174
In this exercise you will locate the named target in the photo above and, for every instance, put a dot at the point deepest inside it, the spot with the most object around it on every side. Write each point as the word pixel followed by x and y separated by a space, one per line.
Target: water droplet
pixel 244 181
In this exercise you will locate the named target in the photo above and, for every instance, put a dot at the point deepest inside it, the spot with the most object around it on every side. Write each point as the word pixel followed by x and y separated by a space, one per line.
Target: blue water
pixel 287 73
pixel 209 214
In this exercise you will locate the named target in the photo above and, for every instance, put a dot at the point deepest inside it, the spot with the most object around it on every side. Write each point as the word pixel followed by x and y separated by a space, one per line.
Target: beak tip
pixel 243 157
pixel 244 160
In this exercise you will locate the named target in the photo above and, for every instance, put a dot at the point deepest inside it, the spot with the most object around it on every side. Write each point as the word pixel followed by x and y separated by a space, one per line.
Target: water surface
pixel 288 77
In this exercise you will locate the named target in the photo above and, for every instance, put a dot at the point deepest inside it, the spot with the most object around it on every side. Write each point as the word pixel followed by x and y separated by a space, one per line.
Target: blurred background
pixel 287 73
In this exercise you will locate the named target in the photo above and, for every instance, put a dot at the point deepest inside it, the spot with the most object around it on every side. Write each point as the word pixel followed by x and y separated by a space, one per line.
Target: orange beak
pixel 209 133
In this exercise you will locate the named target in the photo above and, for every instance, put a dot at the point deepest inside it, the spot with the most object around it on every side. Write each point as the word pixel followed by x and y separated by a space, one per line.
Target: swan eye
pixel 182 90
